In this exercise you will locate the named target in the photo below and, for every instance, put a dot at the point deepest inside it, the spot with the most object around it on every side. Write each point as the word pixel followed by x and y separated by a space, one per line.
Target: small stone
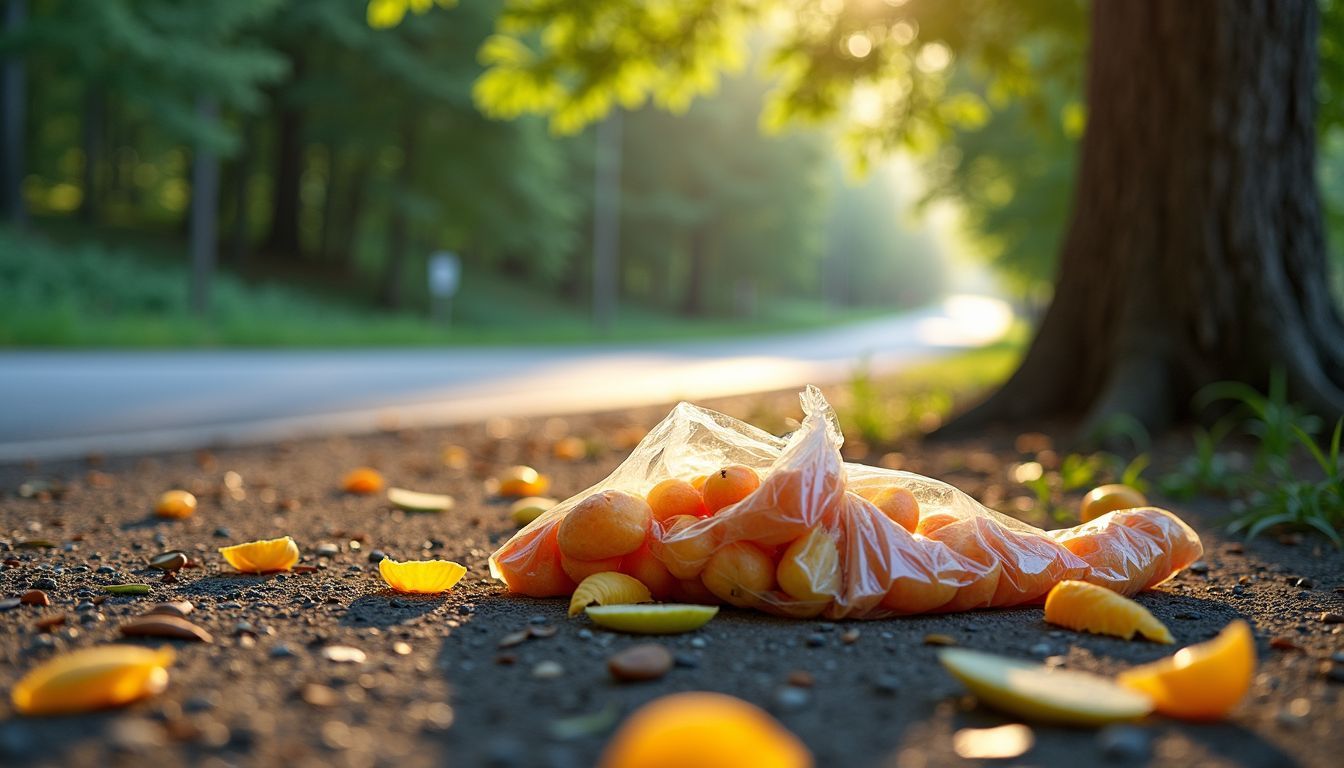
pixel 222 533
pixel 35 597
pixel 201 702
pixel 686 660
pixel 10 603
pixel 646 661
pixel 816 640
pixel 1200 567
pixel 45 583
pixel 545 630
pixel 136 734
pixel 466 609
pixel 376 555
pixel 887 685
pixel 585 634
pixel 320 696
pixel 105 570
pixel 1332 618
pixel 1126 743
pixel 1283 644
pixel 281 651
pixel 1295 714
pixel 401 649
pixel 327 549
pixel 1304 583
pixel 514 638
pixel 801 678
pixel 85 605
pixel 344 654
pixel 939 639
pixel 1041 649
pixel 850 636
pixel 547 670
pixel 699 642
pixel 169 561
pixel 178 608
pixel 789 698
pixel 538 619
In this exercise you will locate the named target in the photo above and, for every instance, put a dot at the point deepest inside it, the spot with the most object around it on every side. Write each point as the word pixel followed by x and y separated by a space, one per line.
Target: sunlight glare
pixel 858 45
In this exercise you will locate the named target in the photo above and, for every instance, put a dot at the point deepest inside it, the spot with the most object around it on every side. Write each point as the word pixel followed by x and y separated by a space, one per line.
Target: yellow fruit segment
pixel 415 501
pixel 704 730
pixel 423 577
pixel 608 588
pixel 662 619
pixel 1041 693
pixel 1085 607
pixel 94 678
pixel 262 556
pixel 810 568
pixel 1199 682
pixel 529 508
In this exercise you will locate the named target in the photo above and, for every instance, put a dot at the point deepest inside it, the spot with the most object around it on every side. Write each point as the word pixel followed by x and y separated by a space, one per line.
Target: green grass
pixel 84 294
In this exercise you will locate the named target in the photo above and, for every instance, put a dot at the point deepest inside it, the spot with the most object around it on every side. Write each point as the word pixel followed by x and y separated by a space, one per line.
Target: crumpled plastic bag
pixel 833 551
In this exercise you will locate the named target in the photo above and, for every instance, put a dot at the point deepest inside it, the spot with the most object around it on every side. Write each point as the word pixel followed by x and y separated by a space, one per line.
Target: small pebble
pixel 686 660
pixel 343 654
pixel 547 670
pixel 538 619
pixel 281 650
pixel 85 606
pixel 1040 649
pixel 401 649
pixel 10 603
pixel 320 696
pixel 887 685
pixel 1332 618
pixel 35 597
pixel 1304 583
pixel 1199 566
pixel 816 640
pixel 801 678
pixel 1126 743
pixel 376 556
pixel 222 533
pixel 169 561
pixel 939 639
pixel 646 661
pixel 790 698
pixel 105 569
pixel 699 642
pixel 850 636
pixel 44 583
pixel 327 549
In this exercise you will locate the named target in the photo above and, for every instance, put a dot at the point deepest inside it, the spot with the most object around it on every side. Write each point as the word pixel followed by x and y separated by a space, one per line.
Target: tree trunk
pixel 12 118
pixel 284 238
pixel 398 227
pixel 1196 250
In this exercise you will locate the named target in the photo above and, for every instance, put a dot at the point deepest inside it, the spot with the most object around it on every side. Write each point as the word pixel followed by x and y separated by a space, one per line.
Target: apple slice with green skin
pixel 415 501
pixel 659 619
pixel 1043 694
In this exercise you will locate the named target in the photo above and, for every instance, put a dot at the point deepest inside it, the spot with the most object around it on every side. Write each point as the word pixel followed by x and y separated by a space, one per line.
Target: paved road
pixel 70 403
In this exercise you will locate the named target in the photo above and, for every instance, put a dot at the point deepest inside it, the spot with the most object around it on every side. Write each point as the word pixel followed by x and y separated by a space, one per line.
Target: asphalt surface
pixel 63 404
pixel 860 694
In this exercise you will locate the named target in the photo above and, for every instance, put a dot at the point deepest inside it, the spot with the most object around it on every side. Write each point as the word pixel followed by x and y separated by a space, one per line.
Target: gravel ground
pixel 436 688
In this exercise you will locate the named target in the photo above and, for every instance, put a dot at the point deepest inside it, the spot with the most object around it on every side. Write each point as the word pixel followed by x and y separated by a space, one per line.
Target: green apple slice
pixel 1043 694
pixel 660 619
pixel 415 501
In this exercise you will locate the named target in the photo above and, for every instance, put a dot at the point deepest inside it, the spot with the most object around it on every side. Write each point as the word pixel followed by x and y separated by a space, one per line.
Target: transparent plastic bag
pixel 821 537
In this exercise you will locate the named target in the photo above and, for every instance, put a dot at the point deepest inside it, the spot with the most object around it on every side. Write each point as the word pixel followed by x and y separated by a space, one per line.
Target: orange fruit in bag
pixel 650 571
pixel 729 486
pixel 578 570
pixel 674 497
pixel 685 554
pixel 739 574
pixel 530 563
pixel 1131 550
pixel 896 503
pixel 695 591
pixel 606 524
pixel 910 594
pixel 960 535
pixel 810 568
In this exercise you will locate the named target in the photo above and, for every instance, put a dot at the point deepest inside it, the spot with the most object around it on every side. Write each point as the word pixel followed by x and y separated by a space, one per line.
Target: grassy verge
pixel 89 295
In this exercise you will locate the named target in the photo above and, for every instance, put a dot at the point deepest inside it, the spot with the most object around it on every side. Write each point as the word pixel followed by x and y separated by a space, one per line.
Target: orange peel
pixel 1085 607
pixel 421 577
pixel 706 730
pixel 1202 681
pixel 93 678
pixel 262 556
pixel 608 588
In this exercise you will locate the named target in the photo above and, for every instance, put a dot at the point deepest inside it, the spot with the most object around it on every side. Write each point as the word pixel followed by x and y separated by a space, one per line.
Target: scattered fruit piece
pixel 705 730
pixel 415 501
pixel 646 661
pixel 35 597
pixel 895 502
pixel 1109 498
pixel 1042 693
pixel 262 556
pixel 739 574
pixel 1085 607
pixel 529 508
pixel 163 625
pixel 362 481
pixel 661 619
pixel 608 588
pixel 570 448
pixel 421 577
pixel 520 481
pixel 455 457
pixel 729 486
pixel 809 571
pixel 94 678
pixel 175 504
pixel 673 497
pixel 606 524
pixel 1199 682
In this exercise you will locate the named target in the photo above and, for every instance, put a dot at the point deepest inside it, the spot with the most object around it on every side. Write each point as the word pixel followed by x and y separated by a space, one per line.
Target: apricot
pixel 1109 498
pixel 729 486
pixel 895 502
pixel 698 482
pixel 911 595
pixel 606 524
pixel 962 537
pixel 739 573
pixel 695 591
pixel 530 563
pixel 674 497
pixel 578 570
pixel 650 571
pixel 520 481
pixel 685 555
pixel 809 571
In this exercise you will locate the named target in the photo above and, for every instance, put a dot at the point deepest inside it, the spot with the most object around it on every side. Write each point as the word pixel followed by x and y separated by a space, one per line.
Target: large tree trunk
pixel 1196 251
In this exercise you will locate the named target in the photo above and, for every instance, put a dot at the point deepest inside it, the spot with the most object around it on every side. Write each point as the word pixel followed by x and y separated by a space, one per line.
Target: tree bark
pixel 1196 249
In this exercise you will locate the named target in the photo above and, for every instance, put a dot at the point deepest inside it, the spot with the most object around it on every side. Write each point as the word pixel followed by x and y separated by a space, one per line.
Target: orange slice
pixel 608 588
pixel 262 556
pixel 1087 607
pixel 1199 682
pixel 423 577
pixel 705 730
pixel 94 678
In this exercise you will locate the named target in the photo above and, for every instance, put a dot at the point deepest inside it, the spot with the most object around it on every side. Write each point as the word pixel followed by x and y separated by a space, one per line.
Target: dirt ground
pixel 437 689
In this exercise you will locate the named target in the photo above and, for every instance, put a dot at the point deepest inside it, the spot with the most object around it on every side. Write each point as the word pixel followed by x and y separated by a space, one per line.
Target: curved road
pixel 62 404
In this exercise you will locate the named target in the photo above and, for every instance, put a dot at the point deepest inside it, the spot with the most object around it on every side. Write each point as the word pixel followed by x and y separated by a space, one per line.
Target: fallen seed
pixel 35 597
pixel 546 630
pixel 936 639
pixel 850 636
pixel 801 679
pixel 162 625
pixel 127 589
pixel 646 661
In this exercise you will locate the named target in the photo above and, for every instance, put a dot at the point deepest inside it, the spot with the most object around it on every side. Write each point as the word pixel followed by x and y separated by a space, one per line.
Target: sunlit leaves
pixel 389 13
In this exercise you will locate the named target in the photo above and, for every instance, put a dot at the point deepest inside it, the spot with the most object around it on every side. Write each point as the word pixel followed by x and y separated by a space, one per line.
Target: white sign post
pixel 445 274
